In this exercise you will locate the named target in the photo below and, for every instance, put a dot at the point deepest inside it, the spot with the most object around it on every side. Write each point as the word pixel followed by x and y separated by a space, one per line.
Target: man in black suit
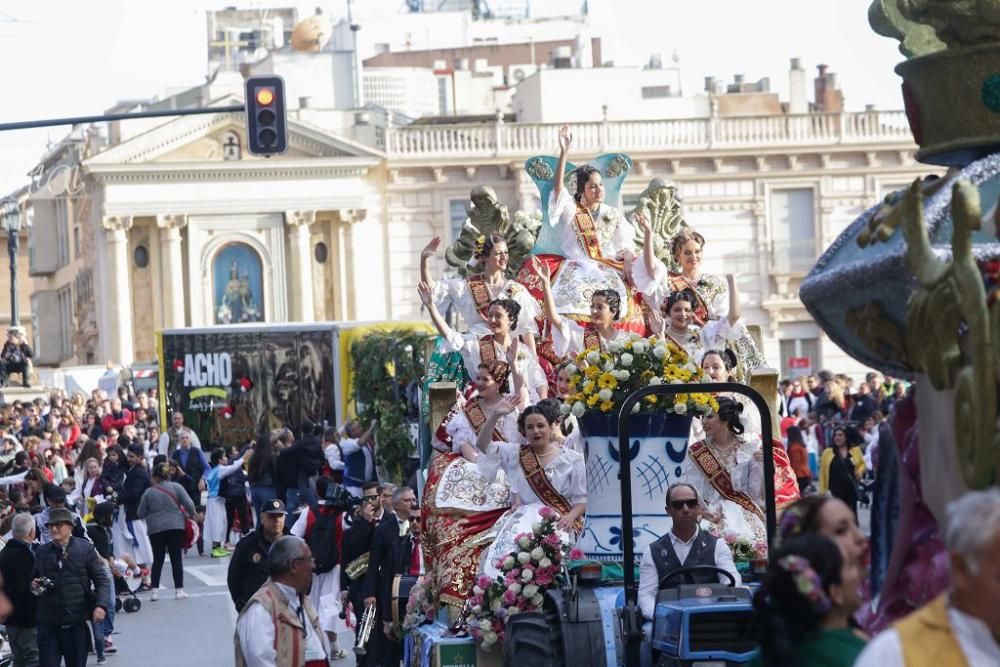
pixel 356 552
pixel 406 557
pixel 380 570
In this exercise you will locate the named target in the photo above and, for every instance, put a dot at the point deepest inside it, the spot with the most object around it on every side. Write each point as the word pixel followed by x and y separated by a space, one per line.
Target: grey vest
pixel 702 553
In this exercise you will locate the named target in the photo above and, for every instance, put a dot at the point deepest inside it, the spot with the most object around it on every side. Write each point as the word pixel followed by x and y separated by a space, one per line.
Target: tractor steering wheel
pixel 687 573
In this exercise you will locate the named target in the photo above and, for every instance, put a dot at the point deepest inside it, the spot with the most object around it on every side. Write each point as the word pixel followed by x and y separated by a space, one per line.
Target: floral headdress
pixel 807 582
pixel 480 246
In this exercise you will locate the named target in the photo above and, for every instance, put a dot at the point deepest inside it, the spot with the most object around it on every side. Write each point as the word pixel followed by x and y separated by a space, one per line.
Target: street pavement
pixel 196 632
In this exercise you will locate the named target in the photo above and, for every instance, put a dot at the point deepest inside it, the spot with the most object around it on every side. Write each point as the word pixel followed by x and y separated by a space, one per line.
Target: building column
pixel 119 344
pixel 301 285
pixel 344 219
pixel 172 269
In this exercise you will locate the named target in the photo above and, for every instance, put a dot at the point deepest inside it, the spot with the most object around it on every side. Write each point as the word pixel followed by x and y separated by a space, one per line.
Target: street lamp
pixel 10 216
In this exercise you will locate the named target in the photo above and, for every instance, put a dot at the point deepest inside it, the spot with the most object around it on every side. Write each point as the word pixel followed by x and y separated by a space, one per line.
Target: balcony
pixel 686 134
pixel 793 257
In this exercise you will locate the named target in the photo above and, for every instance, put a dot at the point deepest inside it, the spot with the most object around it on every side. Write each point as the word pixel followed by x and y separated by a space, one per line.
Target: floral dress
pixel 471 298
pixel 567 474
pixel 470 346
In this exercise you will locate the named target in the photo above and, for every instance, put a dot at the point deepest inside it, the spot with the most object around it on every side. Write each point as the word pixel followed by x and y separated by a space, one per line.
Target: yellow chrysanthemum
pixel 591 371
pixel 606 406
pixel 607 381
pixel 588 387
pixel 651 400
pixel 592 401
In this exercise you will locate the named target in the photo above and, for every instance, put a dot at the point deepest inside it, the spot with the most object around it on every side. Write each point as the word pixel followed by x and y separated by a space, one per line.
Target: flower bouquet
pixel 421 606
pixel 600 380
pixel 743 550
pixel 525 574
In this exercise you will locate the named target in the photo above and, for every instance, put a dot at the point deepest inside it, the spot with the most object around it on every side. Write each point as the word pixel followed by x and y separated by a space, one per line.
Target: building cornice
pixel 307 167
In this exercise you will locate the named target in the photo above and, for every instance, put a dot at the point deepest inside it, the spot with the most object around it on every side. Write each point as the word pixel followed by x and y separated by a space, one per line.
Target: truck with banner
pixel 233 381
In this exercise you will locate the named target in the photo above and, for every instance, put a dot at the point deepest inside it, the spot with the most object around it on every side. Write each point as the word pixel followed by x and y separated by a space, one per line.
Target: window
pixel 655 92
pixel 793 230
pixel 456 217
pixel 799 356
pixel 64 298
pixel 48 236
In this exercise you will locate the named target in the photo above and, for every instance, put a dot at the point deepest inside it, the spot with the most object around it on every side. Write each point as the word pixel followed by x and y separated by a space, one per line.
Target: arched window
pixel 237 285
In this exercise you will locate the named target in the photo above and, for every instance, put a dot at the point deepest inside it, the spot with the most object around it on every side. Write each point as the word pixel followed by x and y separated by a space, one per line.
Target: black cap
pixel 103 511
pixel 54 492
pixel 273 507
pixel 60 515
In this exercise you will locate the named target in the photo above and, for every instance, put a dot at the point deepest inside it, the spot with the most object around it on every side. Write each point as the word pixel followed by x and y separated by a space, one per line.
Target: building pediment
pixel 201 140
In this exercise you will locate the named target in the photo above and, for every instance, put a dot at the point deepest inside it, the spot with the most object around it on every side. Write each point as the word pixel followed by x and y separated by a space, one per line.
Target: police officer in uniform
pixel 248 566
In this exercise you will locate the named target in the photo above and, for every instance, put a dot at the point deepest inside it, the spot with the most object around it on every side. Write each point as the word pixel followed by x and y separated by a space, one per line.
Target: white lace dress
pixel 569 339
pixel 456 292
pixel 566 472
pixel 747 476
pixel 463 487
pixel 580 275
pixel 468 346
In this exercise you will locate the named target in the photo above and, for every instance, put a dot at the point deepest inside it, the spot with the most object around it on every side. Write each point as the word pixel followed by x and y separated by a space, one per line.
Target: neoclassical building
pixel 178 226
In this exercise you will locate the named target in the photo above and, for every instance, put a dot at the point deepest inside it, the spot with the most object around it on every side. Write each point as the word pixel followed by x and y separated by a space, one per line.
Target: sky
pixel 67 58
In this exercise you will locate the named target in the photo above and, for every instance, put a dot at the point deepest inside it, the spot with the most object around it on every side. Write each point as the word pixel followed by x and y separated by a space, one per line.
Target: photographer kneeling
pixel 64 570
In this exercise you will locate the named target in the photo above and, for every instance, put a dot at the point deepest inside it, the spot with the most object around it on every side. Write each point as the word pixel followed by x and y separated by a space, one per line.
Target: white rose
pixel 524 558
pixel 537 554
pixel 655 381
pixel 571 370
pixel 614 347
pixel 497 606
pixel 514 588
pixel 490 637
pixel 605 394
pixel 477 590
pixel 537 215
pixel 578 409
pixel 530 590
pixel 508 562
pixel 622 376
pixel 626 359
pixel 537 600
pixel 677 381
pixel 659 352
pixel 536 528
pixel 609 366
pixel 564 408
pixel 527 575
pixel 635 409
pixel 476 609
pixel 524 542
pixel 680 408
pixel 639 347
pixel 594 357
pixel 545 562
pixel 485 625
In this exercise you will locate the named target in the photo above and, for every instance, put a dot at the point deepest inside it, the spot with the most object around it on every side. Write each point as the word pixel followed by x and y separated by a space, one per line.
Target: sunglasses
pixel 691 503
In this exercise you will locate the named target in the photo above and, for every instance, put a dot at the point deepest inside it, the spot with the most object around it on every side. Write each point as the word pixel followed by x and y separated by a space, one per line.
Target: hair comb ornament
pixel 807 582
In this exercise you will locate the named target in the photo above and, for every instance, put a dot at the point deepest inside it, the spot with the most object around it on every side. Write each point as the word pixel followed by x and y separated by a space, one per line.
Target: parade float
pixel 910 288
pixel 579 611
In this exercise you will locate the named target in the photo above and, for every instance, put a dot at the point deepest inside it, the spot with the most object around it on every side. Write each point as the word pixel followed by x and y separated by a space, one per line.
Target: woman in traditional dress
pixel 570 337
pixel 461 504
pixel 728 473
pixel 718 366
pixel 476 349
pixel 595 240
pixel 713 296
pixel 541 472
pixel 471 296
pixel 678 324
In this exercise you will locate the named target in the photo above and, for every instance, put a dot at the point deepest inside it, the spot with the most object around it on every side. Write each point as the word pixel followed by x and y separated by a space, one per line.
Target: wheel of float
pixel 534 639
pixel 132 605
pixel 118 605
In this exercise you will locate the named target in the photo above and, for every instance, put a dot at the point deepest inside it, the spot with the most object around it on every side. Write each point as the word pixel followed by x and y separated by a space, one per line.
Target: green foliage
pixel 387 364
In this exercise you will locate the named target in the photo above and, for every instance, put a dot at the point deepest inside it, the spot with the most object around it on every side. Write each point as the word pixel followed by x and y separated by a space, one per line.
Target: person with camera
pixel 248 566
pixel 65 570
pixel 322 527
pixel 17 560
pixel 356 552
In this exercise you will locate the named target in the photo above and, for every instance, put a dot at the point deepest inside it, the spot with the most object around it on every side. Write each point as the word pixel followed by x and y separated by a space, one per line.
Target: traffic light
pixel 266 127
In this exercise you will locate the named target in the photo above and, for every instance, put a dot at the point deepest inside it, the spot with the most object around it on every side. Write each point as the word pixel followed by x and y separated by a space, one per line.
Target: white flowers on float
pixel 626 359
pixel 655 381
pixel 578 409
pixel 545 562
pixel 660 351
pixel 565 408
pixel 524 542
pixel 537 553
pixel 571 370
pixel 605 394
pixel 508 562
pixel 680 408
pixel 524 558
pixel 594 357
pixel 530 590
pixel 527 575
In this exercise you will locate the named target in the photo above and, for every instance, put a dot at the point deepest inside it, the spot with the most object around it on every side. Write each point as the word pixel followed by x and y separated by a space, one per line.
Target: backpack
pixel 322 541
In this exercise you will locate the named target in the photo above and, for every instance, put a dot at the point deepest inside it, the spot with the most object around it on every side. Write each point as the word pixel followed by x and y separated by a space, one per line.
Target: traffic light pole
pixel 80 120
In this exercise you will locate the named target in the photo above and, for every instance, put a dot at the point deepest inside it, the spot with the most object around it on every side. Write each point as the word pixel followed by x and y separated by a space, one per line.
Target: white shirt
pixel 163 444
pixel 973 637
pixel 649 580
pixel 255 630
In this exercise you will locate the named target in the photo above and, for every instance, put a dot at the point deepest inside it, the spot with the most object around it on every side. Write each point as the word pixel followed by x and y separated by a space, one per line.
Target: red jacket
pixel 110 422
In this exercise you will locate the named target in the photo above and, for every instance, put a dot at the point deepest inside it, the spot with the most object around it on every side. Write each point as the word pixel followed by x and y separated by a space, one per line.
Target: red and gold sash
pixel 592 339
pixel 480 294
pixel 542 486
pixel 699 309
pixel 586 233
pixel 786 487
pixel 474 412
pixel 487 352
pixel 719 478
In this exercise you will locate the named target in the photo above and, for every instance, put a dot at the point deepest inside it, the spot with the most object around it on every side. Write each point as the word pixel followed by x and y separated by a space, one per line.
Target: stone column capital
pixel 117 223
pixel 171 220
pixel 300 218
pixel 349 216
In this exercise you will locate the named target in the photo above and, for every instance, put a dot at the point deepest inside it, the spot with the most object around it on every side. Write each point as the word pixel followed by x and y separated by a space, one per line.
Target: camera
pixel 339 498
pixel 41 586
